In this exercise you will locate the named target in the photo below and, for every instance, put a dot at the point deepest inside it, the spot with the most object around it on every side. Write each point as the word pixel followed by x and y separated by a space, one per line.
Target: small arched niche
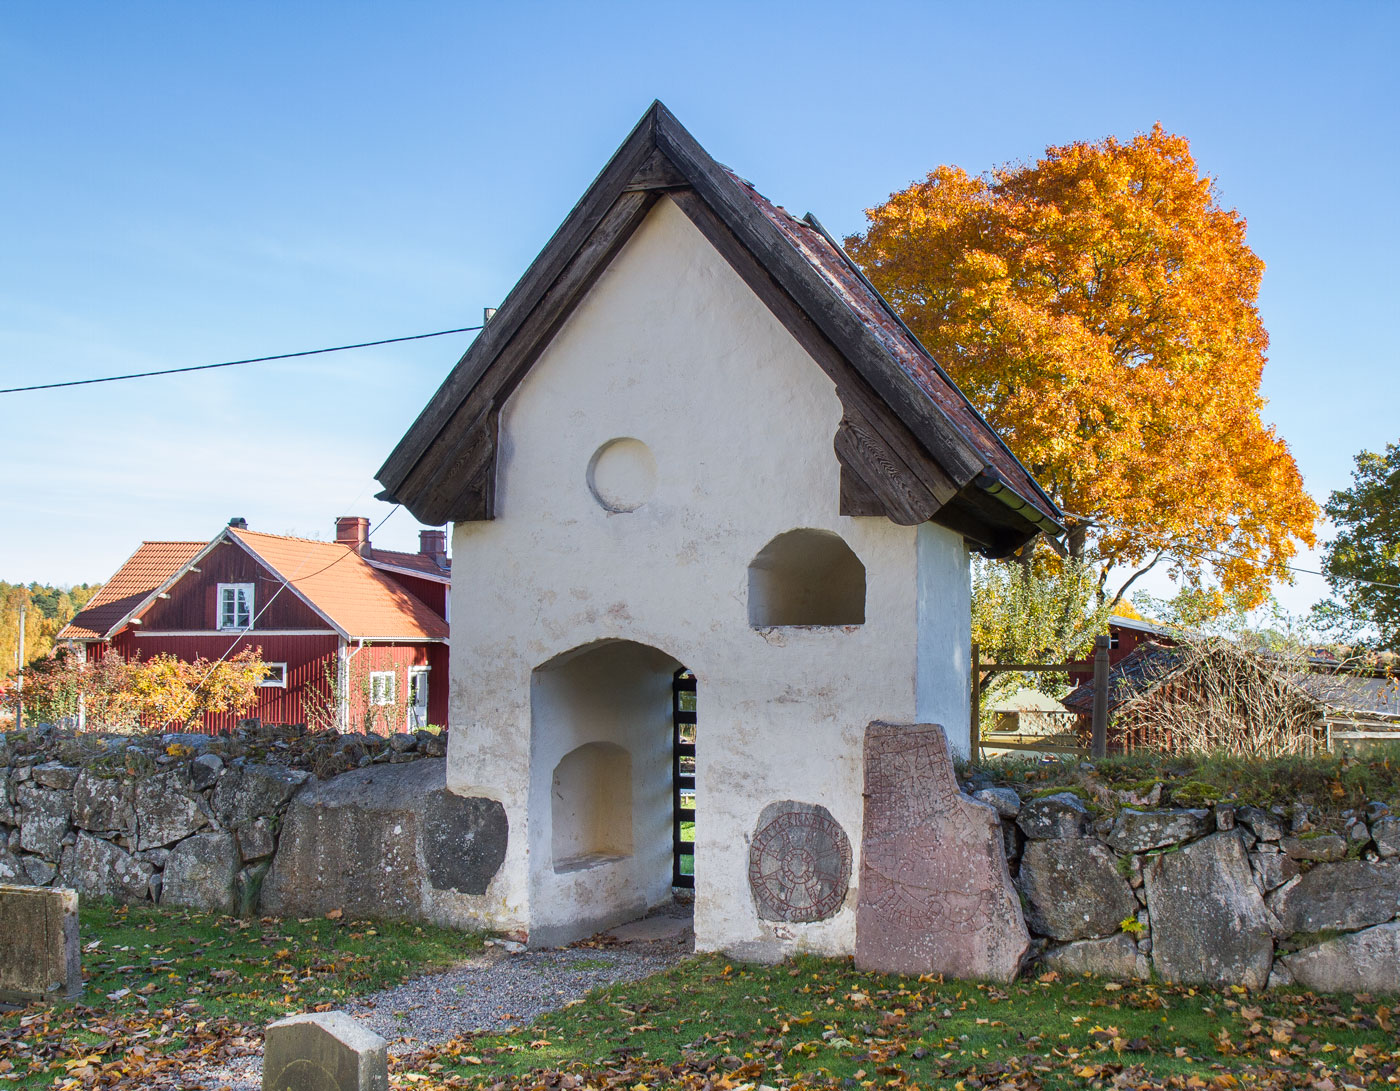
pixel 806 577
pixel 591 800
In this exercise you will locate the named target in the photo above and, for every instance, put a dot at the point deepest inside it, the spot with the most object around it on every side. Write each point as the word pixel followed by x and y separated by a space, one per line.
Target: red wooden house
pixel 1125 635
pixel 357 636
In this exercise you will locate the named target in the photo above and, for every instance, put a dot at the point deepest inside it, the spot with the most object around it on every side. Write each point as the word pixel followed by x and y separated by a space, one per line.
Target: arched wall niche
pixel 591 806
pixel 806 577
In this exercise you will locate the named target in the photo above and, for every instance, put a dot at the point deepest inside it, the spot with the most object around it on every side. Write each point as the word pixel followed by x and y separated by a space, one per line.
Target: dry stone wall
pixel 1117 887
pixel 181 820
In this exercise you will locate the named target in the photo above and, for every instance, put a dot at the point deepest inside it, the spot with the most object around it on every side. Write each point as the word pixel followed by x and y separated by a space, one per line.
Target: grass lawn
pixel 170 989
pixel 819 1023
pixel 164 983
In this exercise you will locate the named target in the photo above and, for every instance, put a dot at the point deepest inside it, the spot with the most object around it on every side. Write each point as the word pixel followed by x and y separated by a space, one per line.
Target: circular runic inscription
pixel 799 863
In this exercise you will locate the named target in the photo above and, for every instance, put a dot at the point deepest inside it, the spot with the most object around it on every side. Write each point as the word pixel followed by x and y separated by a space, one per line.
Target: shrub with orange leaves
pixel 1099 308
pixel 170 690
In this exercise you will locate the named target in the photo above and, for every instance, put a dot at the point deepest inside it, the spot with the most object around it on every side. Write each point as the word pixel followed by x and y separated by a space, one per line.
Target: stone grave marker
pixel 799 863
pixel 936 895
pixel 324 1051
pixel 39 953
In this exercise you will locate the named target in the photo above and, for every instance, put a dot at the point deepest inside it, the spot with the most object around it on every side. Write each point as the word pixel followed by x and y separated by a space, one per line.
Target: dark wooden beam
pixel 901 454
pixel 459 486
pixel 881 453
pixel 657 172
pixel 900 495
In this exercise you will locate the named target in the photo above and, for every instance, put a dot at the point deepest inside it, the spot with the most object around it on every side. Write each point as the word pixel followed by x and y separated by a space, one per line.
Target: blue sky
pixel 188 183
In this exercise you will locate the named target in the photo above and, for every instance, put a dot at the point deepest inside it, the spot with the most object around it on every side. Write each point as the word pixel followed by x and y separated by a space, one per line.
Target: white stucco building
pixel 694 439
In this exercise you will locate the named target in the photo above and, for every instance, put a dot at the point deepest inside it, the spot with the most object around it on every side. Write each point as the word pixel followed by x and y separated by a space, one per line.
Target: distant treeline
pixel 49 610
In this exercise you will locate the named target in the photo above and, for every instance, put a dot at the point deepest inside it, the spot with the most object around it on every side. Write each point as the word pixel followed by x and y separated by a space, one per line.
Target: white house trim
pixel 180 572
pixel 246 632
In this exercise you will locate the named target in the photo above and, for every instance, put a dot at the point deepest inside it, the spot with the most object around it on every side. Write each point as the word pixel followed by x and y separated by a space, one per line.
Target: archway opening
pixel 602 788
pixel 806 577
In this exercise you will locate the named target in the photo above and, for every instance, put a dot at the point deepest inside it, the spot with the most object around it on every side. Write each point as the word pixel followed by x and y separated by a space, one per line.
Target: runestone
pixel 799 863
pixel 936 895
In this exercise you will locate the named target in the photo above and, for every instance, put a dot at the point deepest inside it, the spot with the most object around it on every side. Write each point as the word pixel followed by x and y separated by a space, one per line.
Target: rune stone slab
pixel 936 895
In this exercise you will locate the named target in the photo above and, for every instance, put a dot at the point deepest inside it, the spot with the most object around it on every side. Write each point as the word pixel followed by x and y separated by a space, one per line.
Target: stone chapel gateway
pixel 711 498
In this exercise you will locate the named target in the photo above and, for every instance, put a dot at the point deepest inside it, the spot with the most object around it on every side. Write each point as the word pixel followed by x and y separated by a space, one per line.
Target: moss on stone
pixel 1195 793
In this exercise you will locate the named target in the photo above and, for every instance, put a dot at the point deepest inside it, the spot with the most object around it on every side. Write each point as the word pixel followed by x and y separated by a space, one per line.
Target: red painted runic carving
pixel 935 892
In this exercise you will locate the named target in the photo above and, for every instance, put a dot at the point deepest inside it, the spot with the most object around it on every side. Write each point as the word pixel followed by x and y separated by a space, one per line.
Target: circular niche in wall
pixel 622 475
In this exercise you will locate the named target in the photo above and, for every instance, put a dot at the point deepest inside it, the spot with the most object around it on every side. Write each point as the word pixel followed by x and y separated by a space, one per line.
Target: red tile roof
pixel 146 569
pixel 357 598
pixel 418 562
pixel 868 305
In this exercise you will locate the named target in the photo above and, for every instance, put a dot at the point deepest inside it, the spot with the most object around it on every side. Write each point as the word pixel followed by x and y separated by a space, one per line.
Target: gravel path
pixel 494 991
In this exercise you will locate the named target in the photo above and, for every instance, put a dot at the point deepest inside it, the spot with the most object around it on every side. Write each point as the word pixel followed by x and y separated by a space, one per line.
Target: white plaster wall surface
pixel 671 348
pixel 945 636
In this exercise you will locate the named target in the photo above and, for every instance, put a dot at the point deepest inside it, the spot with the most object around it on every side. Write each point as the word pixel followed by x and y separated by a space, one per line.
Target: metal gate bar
pixel 683 724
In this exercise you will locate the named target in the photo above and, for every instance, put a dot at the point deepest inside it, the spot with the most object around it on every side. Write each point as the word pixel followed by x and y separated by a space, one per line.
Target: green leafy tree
pixel 1038 610
pixel 48 609
pixel 1366 547
pixel 57 686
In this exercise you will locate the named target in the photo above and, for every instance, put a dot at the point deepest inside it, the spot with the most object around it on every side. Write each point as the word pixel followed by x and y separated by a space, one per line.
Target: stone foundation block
pixel 99 868
pixel 325 1051
pixel 1339 897
pixel 201 873
pixel 1209 922
pixel 39 947
pixel 44 822
pixel 1141 831
pixel 1385 832
pixel 1058 815
pixel 1116 958
pixel 1074 889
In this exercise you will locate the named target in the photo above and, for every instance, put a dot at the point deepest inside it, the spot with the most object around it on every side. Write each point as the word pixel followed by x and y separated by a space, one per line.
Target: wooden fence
pixel 1054 744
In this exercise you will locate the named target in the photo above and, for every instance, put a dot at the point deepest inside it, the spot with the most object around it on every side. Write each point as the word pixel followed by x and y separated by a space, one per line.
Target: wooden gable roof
pixel 910 445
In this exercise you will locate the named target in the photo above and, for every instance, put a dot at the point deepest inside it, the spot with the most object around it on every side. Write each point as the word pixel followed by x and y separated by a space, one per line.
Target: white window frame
pixel 279 682
pixel 379 694
pixel 239 590
pixel 415 673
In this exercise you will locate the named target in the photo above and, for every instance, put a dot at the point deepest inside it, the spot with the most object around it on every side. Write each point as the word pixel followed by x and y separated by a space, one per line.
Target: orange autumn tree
pixel 1099 308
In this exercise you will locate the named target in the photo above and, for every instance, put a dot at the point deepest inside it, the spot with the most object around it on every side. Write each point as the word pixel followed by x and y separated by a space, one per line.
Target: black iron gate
pixel 683 779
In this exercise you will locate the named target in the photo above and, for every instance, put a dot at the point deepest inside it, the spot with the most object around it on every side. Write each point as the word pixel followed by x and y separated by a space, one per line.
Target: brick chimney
pixel 433 543
pixel 353 531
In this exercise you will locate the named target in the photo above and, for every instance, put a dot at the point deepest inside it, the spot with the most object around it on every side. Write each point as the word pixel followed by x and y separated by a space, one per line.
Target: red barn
pixel 357 636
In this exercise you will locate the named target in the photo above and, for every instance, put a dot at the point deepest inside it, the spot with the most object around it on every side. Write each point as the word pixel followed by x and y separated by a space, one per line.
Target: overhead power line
pixel 236 363
pixel 1221 554
pixel 1272 567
